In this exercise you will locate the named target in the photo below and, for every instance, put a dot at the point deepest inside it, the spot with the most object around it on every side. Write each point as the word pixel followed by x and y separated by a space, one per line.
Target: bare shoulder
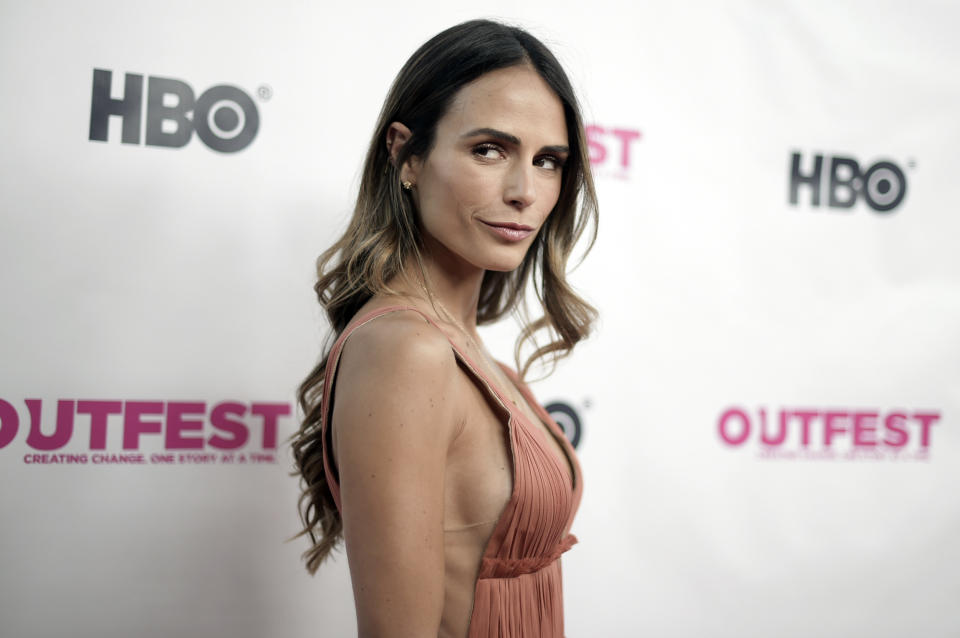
pixel 393 365
pixel 400 338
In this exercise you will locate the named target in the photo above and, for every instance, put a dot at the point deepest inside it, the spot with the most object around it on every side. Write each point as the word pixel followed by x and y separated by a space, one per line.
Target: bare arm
pixel 394 418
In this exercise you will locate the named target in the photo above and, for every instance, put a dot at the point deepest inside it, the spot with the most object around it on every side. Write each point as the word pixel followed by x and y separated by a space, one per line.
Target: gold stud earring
pixel 406 185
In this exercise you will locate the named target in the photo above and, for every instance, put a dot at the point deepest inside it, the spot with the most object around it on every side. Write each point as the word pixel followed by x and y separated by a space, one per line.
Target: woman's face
pixel 494 172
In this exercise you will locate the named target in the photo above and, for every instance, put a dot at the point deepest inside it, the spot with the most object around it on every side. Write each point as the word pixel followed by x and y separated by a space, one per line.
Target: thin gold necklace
pixel 433 299
pixel 505 383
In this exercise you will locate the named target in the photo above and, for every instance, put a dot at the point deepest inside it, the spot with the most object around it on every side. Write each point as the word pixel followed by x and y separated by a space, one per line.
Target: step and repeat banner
pixel 767 414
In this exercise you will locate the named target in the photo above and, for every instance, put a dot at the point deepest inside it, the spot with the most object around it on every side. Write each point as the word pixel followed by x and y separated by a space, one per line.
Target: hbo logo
pixel 568 420
pixel 883 186
pixel 224 117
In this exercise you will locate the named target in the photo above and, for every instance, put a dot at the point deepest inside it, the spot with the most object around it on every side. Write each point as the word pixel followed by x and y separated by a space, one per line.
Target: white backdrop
pixel 157 307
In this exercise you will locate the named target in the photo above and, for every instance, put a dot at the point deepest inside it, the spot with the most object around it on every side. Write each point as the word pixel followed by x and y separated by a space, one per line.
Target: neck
pixel 448 282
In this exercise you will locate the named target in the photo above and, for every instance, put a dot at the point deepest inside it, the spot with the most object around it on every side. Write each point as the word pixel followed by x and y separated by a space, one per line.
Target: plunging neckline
pixel 534 406
pixel 516 414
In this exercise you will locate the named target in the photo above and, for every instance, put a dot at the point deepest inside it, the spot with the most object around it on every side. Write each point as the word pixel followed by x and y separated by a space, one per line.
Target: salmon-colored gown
pixel 519 592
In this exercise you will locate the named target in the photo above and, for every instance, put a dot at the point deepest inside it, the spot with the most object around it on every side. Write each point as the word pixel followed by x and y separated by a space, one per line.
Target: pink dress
pixel 519 591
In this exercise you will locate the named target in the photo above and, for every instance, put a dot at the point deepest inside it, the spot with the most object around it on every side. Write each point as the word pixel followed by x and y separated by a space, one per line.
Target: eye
pixel 488 151
pixel 549 162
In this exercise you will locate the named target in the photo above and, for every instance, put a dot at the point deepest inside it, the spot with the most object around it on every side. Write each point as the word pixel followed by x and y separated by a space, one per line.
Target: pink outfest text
pixel 613 142
pixel 825 428
pixel 176 425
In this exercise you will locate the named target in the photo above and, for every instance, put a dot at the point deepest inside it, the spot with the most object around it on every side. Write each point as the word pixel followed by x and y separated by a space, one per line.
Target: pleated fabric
pixel 519 589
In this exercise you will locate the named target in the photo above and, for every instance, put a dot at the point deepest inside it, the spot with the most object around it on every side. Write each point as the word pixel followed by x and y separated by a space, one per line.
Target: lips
pixel 509 231
pixel 509 225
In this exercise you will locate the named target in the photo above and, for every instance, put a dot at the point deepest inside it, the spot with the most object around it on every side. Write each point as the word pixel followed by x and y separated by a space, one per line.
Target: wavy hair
pixel 383 235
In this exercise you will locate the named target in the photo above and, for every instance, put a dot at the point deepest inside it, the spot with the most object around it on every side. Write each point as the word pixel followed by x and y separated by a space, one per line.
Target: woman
pixel 453 489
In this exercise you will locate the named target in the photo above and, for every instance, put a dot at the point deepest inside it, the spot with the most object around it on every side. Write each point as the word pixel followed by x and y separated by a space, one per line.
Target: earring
pixel 406 185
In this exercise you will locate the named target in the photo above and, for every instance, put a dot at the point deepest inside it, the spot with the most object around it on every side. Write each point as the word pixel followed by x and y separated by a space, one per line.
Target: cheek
pixel 459 188
pixel 555 193
pixel 549 196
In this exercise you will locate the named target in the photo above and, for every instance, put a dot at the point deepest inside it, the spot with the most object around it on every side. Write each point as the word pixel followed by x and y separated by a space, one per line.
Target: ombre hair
pixel 384 234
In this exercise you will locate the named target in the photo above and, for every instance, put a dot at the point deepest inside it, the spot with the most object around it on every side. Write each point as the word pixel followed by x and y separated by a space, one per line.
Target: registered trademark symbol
pixel 912 163
pixel 264 92
pixel 587 404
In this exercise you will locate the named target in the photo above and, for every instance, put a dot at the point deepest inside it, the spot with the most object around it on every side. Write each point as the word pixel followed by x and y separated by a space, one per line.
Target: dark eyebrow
pixel 559 150
pixel 512 139
pixel 492 132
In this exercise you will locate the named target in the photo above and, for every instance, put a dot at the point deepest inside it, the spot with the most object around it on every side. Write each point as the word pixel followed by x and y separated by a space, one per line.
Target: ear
pixel 397 135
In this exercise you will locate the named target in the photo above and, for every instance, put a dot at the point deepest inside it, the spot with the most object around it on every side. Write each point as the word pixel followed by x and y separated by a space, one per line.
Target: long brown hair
pixel 383 234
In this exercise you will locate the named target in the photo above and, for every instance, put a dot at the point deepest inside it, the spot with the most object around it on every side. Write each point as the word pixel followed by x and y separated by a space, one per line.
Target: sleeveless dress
pixel 518 593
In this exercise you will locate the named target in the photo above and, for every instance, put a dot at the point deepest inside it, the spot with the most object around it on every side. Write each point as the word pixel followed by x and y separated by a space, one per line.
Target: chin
pixel 504 268
pixel 505 263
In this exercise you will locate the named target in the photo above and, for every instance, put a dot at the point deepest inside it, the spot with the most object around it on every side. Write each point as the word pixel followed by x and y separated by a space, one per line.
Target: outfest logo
pixel 99 432
pixel 819 433
pixel 611 149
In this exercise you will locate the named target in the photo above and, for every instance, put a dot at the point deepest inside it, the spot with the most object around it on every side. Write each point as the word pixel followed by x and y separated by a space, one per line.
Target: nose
pixel 520 188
